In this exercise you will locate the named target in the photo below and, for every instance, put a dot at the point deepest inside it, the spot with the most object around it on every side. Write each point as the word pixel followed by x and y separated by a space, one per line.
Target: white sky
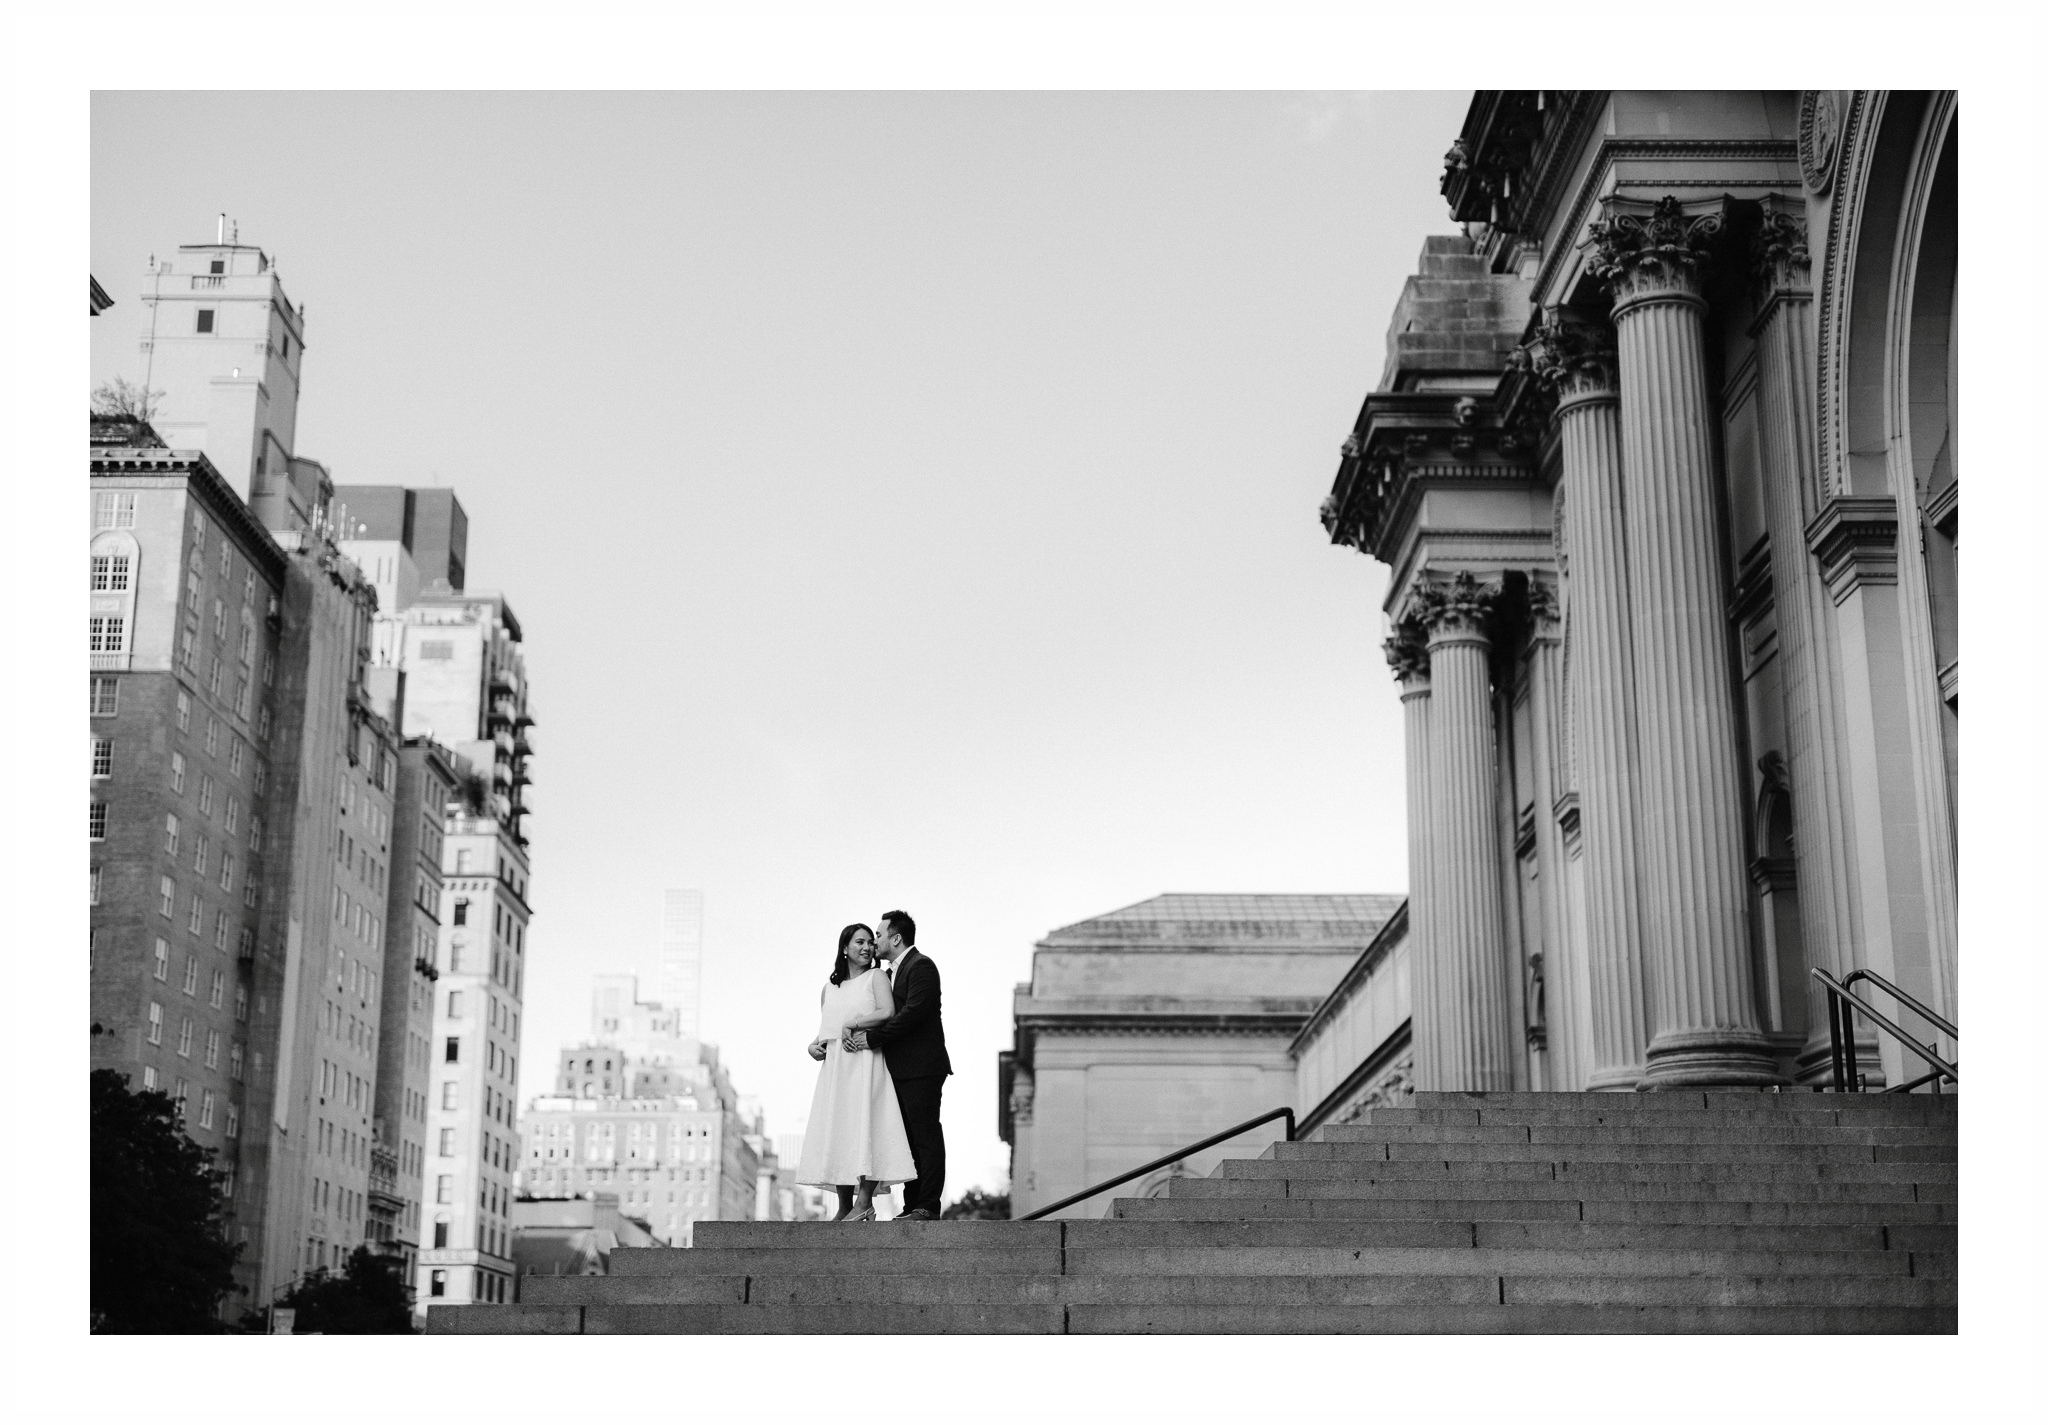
pixel 908 499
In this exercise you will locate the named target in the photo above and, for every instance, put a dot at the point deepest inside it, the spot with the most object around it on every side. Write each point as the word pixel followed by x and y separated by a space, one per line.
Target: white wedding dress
pixel 856 1128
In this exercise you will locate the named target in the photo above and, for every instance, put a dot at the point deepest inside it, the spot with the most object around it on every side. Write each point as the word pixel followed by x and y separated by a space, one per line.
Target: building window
pixel 213 678
pixel 109 573
pixel 234 1128
pixel 113 511
pixel 235 1052
pixel 255 832
pixel 227 880
pixel 205 795
pixel 180 1094
pixel 217 989
pixel 212 1048
pixel 437 1283
pixel 452 1053
pixel 103 756
pixel 156 1020
pixel 245 943
pixel 212 736
pixel 149 1074
pixel 447 1142
pixel 99 821
pixel 227 563
pixel 263 726
pixel 241 1004
pixel 206 1109
pixel 444 1188
pixel 231 821
pixel 192 590
pixel 249 587
pixel 170 833
pixel 235 751
pixel 107 635
pixel 163 959
pixel 191 984
pixel 199 850
pixel 95 900
pixel 106 697
pixel 220 923
pixel 455 1004
pixel 450 1095
pixel 184 711
pixel 205 319
pixel 167 894
pixel 178 773
pixel 185 1038
pixel 196 917
pixel 220 619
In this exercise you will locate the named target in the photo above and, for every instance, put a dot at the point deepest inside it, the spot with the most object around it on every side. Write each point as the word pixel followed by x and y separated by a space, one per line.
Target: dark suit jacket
pixel 913 1039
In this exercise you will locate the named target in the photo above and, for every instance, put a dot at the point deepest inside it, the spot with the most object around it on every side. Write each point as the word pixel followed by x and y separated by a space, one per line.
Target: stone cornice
pixel 1045 1023
pixel 1856 540
pixel 1513 150
pixel 205 481
pixel 1370 959
pixel 1615 151
pixel 1407 441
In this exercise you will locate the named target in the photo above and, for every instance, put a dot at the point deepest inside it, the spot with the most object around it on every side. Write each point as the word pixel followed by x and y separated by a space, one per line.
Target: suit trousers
pixel 919 1100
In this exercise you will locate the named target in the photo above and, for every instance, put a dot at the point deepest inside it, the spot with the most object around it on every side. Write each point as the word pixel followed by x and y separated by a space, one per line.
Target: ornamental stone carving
pixel 1820 132
pixel 1643 250
pixel 1454 607
pixel 1570 357
pixel 1407 650
pixel 1778 254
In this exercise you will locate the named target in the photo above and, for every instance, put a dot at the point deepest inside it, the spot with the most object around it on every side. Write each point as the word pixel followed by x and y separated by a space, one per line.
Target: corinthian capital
pixel 1407 650
pixel 1570 357
pixel 1643 249
pixel 1458 606
pixel 1778 251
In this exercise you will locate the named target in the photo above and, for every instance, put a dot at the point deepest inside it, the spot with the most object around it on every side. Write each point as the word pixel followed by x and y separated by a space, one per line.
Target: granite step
pixel 1547 1320
pixel 1565 1209
pixel 1550 1165
pixel 1306 1289
pixel 715 1261
pixel 1800 1117
pixel 1407 1185
pixel 1635 1131
pixel 1593 1150
pixel 1493 1261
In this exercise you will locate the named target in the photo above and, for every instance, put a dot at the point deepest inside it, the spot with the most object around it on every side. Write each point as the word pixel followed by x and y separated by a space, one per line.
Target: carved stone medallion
pixel 1820 129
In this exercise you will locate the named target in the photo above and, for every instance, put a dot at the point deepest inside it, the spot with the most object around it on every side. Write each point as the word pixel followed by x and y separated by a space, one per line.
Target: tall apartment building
pixel 679 973
pixel 225 346
pixel 186 635
pixel 429 776
pixel 452 666
pixel 647 1112
pixel 471 1125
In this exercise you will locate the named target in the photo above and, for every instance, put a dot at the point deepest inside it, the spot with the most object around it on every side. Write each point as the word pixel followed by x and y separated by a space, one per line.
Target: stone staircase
pixel 1482 1212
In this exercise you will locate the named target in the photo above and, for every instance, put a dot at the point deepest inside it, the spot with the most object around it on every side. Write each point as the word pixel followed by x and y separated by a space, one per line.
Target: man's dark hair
pixel 903 925
pixel 842 967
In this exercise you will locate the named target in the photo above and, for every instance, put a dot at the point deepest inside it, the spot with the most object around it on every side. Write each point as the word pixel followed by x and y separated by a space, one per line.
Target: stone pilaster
pixel 1564 960
pixel 1695 898
pixel 1577 362
pixel 1787 449
pixel 1408 655
pixel 1462 1021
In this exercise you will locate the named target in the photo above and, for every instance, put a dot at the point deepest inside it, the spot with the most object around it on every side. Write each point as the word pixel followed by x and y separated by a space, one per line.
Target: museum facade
pixel 1663 463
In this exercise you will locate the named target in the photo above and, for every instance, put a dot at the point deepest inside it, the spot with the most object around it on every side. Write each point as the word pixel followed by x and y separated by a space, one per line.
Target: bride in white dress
pixel 854 1140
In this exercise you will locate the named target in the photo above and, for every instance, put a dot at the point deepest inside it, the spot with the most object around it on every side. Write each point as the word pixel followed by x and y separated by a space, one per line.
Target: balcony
pixel 423 966
pixel 502 711
pixel 108 662
pixel 501 773
pixel 208 281
pixel 502 681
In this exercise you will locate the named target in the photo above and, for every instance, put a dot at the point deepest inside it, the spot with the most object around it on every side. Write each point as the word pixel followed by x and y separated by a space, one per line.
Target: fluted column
pixel 1465 1013
pixel 1576 361
pixel 1690 832
pixel 1787 449
pixel 1408 656
pixel 1564 971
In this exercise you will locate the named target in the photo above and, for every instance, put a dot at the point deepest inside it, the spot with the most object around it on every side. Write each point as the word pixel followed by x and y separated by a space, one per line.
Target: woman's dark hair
pixel 841 967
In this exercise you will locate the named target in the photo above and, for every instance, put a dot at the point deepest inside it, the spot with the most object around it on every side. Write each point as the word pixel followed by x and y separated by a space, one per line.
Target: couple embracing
pixel 882 1050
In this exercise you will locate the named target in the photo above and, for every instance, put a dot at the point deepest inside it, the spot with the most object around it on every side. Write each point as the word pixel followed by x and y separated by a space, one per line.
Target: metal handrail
pixel 1841 1036
pixel 1211 1141
pixel 1903 998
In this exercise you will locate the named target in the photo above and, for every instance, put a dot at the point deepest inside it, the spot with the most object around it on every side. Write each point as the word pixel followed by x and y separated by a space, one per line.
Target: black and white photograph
pixel 985 692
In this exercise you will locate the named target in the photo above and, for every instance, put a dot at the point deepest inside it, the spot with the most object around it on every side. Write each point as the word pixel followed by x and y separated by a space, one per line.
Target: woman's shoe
pixel 860 1214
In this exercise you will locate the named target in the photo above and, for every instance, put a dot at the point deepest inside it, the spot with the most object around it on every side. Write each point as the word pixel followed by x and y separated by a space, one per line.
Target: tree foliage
pixel 978 1205
pixel 120 397
pixel 368 1298
pixel 160 1258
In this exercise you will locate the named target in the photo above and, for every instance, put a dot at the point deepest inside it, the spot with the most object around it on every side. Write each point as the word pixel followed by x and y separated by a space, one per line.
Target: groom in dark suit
pixel 913 1040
